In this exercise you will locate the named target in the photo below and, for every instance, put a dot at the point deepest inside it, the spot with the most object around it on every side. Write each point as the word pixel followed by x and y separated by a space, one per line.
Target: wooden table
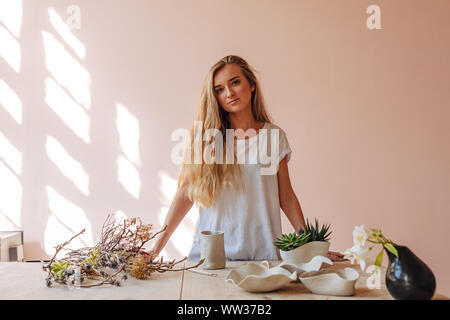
pixel 194 287
pixel 26 280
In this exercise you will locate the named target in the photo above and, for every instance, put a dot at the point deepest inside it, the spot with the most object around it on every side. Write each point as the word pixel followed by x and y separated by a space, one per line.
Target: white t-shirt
pixel 251 219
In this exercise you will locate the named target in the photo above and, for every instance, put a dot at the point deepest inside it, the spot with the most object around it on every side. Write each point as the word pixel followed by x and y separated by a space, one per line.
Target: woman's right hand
pixel 150 255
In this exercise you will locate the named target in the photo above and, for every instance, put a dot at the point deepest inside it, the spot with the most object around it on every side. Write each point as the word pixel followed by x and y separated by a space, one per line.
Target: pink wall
pixel 366 112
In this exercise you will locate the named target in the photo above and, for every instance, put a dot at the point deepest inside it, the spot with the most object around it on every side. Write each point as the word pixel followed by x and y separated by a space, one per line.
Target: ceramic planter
pixel 212 250
pixel 306 252
pixel 254 277
pixel 339 282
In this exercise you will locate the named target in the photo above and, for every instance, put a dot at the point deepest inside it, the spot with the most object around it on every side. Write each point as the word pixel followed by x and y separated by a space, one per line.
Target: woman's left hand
pixel 335 256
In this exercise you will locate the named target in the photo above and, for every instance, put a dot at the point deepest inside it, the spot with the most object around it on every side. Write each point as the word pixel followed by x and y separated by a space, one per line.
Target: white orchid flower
pixel 357 254
pixel 359 236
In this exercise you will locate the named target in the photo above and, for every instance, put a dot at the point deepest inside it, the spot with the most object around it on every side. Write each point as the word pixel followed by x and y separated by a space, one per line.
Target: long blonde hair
pixel 203 182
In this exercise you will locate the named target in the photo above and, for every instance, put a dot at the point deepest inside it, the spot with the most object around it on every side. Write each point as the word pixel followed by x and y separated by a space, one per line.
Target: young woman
pixel 237 197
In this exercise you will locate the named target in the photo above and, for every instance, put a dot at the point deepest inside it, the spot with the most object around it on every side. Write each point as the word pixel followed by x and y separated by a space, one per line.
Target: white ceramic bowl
pixel 340 282
pixel 306 252
pixel 316 263
pixel 259 277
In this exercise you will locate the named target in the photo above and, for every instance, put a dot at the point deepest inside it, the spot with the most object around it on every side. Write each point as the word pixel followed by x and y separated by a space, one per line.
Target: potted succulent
pixel 301 247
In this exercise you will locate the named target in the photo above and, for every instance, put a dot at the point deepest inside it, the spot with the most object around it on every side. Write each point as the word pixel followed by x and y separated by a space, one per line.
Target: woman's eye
pixel 219 90
pixel 235 82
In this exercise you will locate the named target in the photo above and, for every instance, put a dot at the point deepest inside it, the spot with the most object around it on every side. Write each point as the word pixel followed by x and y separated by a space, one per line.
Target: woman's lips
pixel 233 101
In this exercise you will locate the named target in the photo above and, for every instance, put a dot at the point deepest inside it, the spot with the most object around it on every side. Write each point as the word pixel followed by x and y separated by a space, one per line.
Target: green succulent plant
pixel 93 258
pixel 315 233
pixel 59 267
pixel 312 232
pixel 291 241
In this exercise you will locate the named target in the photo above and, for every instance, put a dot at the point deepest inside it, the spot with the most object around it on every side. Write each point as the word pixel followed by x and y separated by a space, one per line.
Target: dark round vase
pixel 408 277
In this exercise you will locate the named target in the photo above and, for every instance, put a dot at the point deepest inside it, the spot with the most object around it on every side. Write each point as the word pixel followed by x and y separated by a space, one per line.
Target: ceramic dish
pixel 316 263
pixel 259 277
pixel 340 282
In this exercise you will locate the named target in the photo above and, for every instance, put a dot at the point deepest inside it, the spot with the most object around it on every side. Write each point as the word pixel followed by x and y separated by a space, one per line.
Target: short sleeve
pixel 284 149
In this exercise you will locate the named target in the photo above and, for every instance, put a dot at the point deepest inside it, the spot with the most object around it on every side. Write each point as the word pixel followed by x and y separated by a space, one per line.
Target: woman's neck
pixel 245 123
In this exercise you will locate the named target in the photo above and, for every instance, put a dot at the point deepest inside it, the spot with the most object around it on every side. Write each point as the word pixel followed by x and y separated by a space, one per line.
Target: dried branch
pixel 58 249
pixel 119 249
pixel 109 280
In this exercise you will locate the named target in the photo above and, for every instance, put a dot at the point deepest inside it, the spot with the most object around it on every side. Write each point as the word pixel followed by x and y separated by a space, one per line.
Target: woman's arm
pixel 178 209
pixel 291 206
pixel 288 200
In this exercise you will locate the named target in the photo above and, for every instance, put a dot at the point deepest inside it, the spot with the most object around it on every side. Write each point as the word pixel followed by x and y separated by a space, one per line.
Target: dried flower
pixel 120 248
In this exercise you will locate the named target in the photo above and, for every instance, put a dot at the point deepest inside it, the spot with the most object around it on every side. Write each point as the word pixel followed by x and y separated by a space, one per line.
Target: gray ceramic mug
pixel 212 250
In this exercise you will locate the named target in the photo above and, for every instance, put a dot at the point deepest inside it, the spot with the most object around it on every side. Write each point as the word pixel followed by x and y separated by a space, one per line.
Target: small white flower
pixel 348 254
pixel 359 236
pixel 357 254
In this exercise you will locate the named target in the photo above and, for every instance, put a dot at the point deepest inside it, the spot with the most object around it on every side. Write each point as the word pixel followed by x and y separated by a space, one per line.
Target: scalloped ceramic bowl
pixel 340 282
pixel 255 277
pixel 306 252
pixel 317 263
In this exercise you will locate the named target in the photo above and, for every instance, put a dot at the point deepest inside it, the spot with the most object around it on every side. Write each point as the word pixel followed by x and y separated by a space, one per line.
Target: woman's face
pixel 232 89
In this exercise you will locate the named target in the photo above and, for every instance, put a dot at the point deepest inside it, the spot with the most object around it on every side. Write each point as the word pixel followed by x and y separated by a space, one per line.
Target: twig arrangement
pixel 119 250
